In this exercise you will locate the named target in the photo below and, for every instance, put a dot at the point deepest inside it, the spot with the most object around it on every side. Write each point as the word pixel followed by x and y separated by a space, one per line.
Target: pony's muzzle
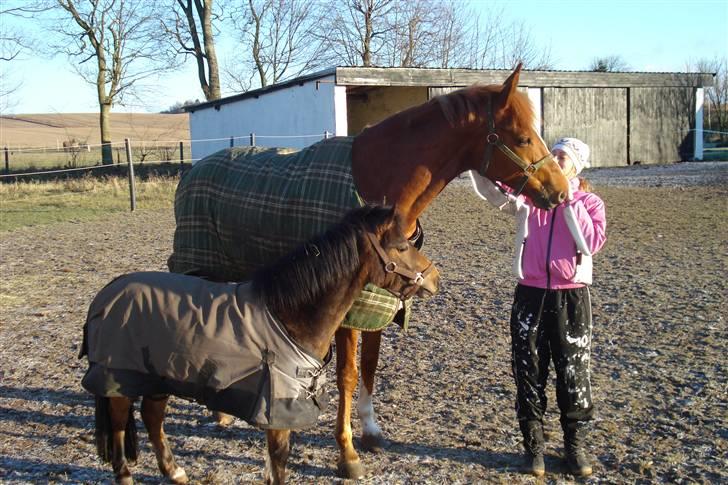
pixel 430 284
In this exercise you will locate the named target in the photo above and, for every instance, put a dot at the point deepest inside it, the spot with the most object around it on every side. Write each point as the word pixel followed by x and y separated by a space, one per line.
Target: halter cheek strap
pixel 416 279
pixel 493 141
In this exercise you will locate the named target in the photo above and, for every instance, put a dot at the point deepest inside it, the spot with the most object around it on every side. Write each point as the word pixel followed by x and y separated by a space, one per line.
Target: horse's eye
pixel 403 247
pixel 524 141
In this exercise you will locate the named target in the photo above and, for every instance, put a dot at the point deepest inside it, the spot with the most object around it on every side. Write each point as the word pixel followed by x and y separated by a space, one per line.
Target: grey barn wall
pixel 660 123
pixel 621 125
pixel 597 116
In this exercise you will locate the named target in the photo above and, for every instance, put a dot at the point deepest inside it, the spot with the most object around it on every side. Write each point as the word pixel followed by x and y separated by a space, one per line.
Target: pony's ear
pixel 510 85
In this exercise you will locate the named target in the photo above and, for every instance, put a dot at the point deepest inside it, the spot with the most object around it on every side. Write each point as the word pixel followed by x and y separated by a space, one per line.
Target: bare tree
pixel 189 25
pixel 609 64
pixel 428 33
pixel 278 41
pixel 718 93
pixel 354 31
pixel 452 32
pixel 119 35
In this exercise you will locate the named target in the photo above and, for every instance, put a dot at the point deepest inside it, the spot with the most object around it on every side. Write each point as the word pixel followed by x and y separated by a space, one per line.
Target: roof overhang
pixel 432 77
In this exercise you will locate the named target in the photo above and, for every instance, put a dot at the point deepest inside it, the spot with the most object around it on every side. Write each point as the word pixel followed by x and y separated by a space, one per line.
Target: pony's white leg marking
pixel 268 471
pixel 366 412
pixel 178 475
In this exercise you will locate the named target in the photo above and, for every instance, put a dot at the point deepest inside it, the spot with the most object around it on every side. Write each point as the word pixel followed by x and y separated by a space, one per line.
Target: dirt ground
pixel 444 393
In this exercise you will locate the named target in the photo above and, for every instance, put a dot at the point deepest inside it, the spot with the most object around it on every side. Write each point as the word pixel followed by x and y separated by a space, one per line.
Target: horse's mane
pixel 466 105
pixel 314 268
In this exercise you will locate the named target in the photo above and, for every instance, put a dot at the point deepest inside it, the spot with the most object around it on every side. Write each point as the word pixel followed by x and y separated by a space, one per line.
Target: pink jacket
pixel 550 257
pixel 553 248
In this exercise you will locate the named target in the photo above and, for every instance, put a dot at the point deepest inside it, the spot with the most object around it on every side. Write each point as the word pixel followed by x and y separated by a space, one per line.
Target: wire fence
pixel 72 156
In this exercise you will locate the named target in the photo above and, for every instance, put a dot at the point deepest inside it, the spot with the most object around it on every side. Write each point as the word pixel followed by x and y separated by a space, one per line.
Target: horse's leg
pixel 277 457
pixel 153 411
pixel 119 408
pixel 349 465
pixel 371 438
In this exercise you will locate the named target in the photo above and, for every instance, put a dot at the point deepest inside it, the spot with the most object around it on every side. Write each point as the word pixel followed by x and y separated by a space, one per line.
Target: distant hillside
pixel 52 130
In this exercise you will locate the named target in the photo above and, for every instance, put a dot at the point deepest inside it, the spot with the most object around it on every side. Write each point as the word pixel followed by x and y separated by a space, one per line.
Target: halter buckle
pixel 390 267
pixel 492 138
pixel 419 279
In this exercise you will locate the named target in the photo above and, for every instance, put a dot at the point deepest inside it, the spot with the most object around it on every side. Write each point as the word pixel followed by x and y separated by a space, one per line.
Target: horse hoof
pixel 351 469
pixel 224 420
pixel 178 476
pixel 373 443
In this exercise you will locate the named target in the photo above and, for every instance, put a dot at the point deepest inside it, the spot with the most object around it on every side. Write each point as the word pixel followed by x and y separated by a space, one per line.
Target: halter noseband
pixel 416 278
pixel 494 141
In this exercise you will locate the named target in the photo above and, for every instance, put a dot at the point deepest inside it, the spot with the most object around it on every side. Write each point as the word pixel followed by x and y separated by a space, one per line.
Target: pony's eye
pixel 403 247
pixel 524 141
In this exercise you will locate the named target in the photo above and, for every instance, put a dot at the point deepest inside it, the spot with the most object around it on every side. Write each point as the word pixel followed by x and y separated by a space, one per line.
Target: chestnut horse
pixel 406 159
pixel 308 292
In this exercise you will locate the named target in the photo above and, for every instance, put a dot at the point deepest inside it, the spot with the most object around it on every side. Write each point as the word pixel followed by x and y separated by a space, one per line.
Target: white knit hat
pixel 577 150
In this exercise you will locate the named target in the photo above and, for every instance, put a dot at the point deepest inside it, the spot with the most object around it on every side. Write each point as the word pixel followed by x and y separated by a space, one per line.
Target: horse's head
pixel 515 153
pixel 396 265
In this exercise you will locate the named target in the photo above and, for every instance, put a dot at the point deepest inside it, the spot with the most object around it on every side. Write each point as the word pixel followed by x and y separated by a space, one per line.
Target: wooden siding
pixel 392 76
pixel 660 122
pixel 597 116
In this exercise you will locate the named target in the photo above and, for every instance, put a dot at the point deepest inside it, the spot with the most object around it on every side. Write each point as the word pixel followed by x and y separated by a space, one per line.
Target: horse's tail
pixel 105 435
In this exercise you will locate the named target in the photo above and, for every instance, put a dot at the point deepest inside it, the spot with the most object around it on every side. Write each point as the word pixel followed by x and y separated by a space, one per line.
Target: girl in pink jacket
pixel 551 314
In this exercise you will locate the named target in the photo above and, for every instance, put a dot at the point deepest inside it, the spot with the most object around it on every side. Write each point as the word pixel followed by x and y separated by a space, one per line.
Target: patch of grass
pixel 34 203
pixel 715 154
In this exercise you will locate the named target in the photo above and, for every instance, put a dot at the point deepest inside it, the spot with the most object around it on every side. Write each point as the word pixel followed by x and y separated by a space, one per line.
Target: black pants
pixel 545 325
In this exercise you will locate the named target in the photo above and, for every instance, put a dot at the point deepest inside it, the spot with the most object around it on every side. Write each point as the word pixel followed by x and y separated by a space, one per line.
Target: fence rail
pixel 137 153
pixel 31 160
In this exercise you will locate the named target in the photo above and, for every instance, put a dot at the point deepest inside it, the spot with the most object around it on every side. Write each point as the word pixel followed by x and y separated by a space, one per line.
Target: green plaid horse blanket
pixel 242 208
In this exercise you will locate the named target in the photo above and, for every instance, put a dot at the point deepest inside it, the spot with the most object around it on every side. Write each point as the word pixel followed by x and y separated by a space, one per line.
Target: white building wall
pixel 295 116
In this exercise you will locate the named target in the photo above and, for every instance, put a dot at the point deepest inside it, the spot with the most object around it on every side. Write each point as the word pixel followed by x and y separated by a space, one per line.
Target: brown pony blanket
pixel 164 333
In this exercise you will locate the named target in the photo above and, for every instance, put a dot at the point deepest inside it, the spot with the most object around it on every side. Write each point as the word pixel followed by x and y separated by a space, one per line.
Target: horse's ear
pixel 510 85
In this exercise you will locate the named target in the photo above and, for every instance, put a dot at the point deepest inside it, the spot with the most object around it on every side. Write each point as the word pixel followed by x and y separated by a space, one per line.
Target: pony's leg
pixel 153 411
pixel 371 438
pixel 277 456
pixel 119 415
pixel 223 419
pixel 349 465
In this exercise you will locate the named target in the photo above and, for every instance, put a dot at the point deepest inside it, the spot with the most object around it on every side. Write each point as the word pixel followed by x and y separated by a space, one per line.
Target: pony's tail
pixel 105 435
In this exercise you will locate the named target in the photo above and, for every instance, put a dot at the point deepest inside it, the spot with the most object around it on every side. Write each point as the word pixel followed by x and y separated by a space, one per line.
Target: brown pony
pixel 406 159
pixel 307 291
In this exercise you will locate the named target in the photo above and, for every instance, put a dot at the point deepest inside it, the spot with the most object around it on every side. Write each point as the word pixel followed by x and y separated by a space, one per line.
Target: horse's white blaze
pixel 366 412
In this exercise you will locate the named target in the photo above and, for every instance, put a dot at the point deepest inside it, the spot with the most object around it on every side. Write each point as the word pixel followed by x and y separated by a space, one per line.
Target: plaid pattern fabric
pixel 243 207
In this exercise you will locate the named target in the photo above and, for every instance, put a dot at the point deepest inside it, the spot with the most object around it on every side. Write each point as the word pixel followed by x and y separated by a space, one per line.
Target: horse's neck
pixel 313 328
pixel 409 163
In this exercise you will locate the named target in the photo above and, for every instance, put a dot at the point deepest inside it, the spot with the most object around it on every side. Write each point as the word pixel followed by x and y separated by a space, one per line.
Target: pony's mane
pixel 466 105
pixel 303 276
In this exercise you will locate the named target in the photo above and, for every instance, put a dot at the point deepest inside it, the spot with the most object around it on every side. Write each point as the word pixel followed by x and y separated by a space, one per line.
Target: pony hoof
pixel 351 469
pixel 223 419
pixel 373 443
pixel 178 476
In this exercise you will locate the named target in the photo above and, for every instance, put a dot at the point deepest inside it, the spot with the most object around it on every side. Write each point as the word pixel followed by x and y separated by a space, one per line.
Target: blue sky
pixel 649 35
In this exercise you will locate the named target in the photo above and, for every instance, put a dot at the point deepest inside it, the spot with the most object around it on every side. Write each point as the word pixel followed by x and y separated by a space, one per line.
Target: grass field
pixel 35 141
pixel 37 203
